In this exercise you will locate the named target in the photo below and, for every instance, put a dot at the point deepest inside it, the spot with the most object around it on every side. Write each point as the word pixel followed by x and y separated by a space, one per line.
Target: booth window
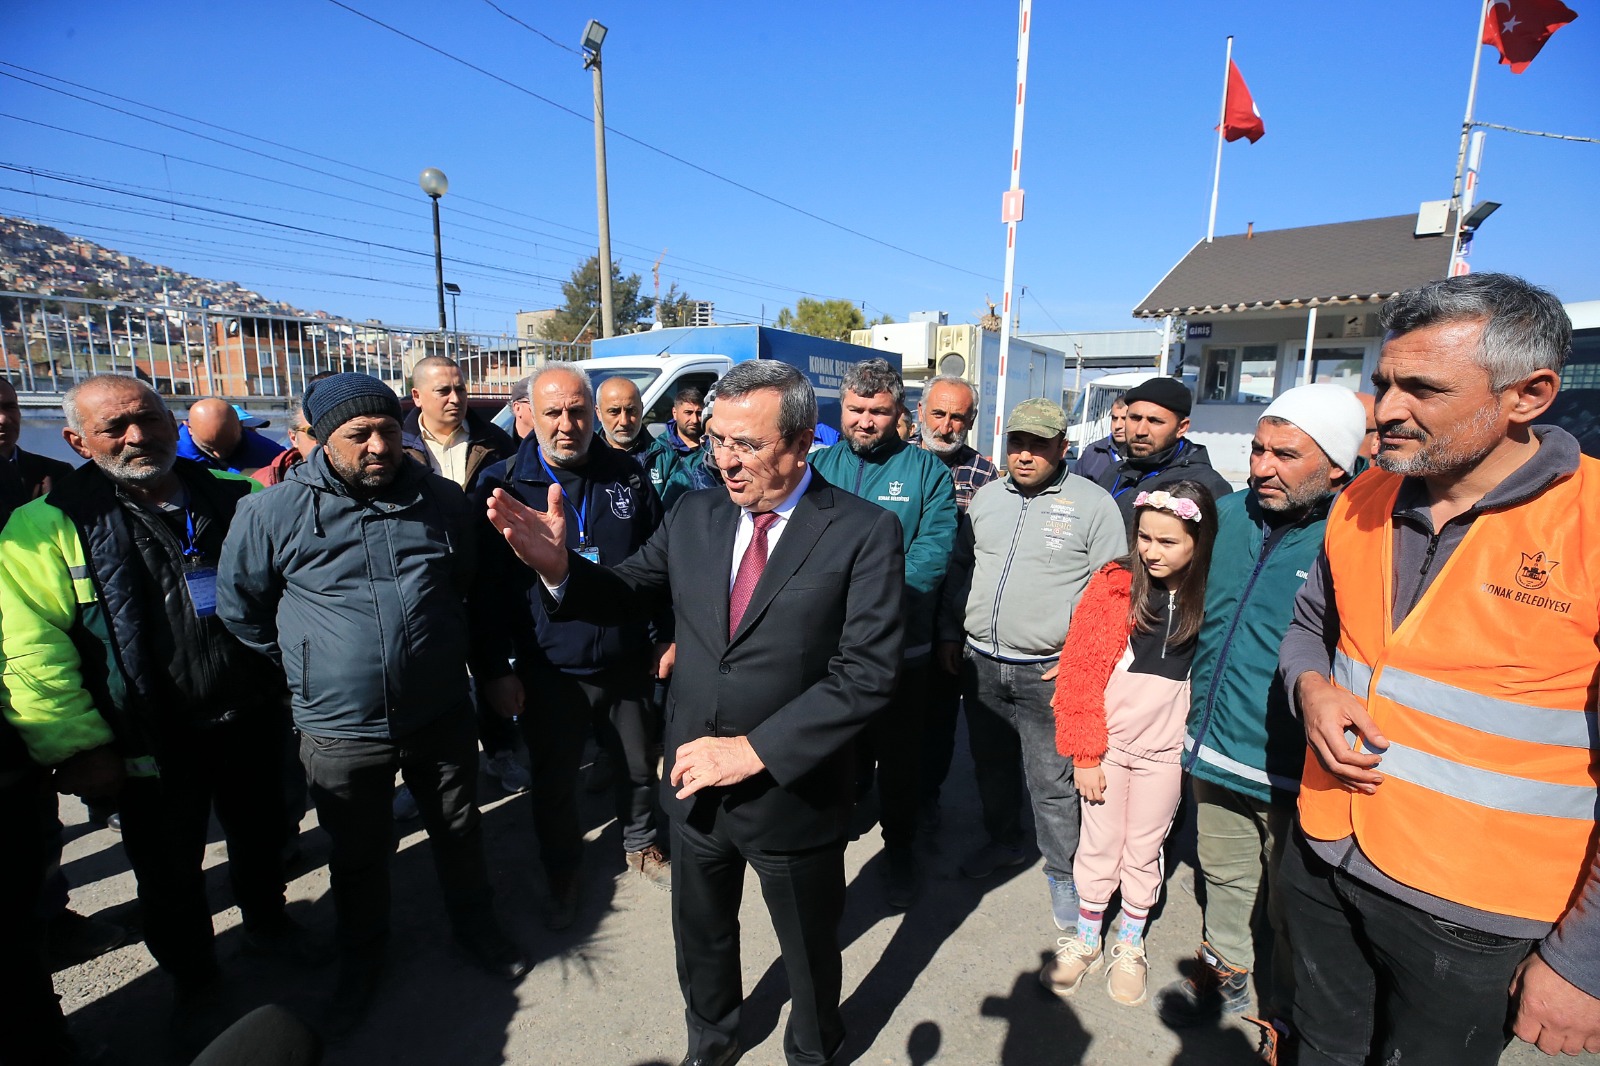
pixel 1239 375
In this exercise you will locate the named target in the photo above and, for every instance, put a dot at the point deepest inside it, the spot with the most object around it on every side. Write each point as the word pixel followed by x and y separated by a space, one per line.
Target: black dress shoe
pixel 495 956
pixel 726 1057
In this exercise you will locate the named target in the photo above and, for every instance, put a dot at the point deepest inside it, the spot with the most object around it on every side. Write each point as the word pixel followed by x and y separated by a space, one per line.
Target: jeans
pixel 560 711
pixel 1012 729
pixel 237 767
pixel 352 785
pixel 1241 843
pixel 1378 980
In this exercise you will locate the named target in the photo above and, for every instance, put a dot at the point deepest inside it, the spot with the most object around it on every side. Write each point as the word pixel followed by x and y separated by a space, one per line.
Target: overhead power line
pixel 533 30
pixel 658 150
pixel 706 269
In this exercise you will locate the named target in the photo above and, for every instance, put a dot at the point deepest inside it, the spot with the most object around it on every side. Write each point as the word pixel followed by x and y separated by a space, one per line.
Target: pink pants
pixel 1119 845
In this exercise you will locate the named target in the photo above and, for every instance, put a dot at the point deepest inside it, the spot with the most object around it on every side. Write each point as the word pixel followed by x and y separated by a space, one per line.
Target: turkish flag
pixel 1240 117
pixel 1519 28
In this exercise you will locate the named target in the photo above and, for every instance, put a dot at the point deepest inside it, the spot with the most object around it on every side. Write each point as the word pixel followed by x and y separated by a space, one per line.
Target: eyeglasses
pixel 741 449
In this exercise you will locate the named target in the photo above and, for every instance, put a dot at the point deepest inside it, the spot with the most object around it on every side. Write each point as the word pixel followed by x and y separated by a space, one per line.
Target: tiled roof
pixel 1343 262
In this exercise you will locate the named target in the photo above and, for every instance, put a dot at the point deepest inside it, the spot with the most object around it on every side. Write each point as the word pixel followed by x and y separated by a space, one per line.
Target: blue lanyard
pixel 190 551
pixel 1136 484
pixel 581 509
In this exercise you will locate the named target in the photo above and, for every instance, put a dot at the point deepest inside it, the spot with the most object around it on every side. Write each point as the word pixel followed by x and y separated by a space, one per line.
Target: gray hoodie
pixel 360 600
pixel 1021 562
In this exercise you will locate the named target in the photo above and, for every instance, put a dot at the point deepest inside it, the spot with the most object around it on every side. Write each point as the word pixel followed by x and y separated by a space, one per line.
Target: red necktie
pixel 751 564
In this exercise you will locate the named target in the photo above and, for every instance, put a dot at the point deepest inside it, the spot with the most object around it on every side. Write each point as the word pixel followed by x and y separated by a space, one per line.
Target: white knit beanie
pixel 1328 414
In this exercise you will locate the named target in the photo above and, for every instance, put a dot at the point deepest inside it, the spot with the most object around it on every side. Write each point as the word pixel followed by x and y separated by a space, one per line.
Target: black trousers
pixel 894 740
pixel 237 768
pixel 942 710
pixel 560 711
pixel 1377 980
pixel 32 1030
pixel 804 893
pixel 352 785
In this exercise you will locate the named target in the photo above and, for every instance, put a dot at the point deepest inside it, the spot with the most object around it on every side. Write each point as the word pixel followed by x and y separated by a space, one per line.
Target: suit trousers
pixel 352 784
pixel 237 767
pixel 560 710
pixel 804 893
pixel 1012 730
pixel 32 1029
pixel 1378 980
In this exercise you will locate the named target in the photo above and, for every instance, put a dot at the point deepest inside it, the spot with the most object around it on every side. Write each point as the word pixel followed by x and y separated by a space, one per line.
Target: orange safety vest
pixel 1485 694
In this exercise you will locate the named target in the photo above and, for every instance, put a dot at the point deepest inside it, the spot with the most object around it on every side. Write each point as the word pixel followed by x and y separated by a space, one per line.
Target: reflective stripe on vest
pixel 1483 691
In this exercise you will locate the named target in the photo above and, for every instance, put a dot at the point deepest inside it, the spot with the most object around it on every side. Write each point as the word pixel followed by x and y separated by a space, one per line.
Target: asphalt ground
pixel 951 981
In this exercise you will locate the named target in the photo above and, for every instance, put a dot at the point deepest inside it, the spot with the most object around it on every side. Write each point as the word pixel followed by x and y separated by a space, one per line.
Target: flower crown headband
pixel 1181 506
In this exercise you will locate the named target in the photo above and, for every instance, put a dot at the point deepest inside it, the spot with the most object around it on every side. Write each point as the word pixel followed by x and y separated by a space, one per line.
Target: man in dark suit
pixel 787 597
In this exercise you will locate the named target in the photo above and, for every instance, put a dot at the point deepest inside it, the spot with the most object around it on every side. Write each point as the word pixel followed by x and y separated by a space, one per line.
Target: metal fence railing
pixel 49 343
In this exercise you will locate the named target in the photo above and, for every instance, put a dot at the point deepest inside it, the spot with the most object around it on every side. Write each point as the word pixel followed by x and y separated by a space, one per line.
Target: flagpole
pixel 1222 122
pixel 1466 134
pixel 1012 211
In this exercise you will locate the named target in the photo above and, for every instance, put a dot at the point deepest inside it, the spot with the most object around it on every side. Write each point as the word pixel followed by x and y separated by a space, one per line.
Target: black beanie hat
pixel 333 401
pixel 1170 393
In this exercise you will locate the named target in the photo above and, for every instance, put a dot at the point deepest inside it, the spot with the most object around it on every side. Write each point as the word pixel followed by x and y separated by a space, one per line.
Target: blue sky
pixel 893 120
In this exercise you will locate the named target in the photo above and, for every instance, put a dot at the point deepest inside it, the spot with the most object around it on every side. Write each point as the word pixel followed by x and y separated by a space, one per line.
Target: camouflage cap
pixel 1039 417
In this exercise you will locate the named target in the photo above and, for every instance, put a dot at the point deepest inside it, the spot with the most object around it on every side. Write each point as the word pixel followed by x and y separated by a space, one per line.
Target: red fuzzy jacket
pixel 1095 642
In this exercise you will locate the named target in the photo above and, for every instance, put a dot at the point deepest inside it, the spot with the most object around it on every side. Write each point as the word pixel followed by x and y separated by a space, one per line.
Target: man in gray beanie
pixel 1243 747
pixel 353 575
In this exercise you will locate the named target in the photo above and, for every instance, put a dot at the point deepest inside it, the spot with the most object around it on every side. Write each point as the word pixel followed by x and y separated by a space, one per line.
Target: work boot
pixel 1075 960
pixel 653 865
pixel 1217 988
pixel 1128 976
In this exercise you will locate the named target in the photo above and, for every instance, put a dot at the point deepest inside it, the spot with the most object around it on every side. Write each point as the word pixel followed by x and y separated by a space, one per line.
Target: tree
pixel 630 311
pixel 676 307
pixel 833 319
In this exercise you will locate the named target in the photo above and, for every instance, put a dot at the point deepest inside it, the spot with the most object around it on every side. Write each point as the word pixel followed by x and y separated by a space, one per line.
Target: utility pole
pixel 594 34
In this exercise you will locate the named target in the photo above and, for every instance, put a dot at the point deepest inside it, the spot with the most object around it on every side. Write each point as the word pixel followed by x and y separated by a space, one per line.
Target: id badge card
pixel 202 582
pixel 591 553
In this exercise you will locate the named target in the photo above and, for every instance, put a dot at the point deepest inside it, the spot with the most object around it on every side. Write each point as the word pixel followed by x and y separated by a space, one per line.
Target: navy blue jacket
pixel 621 511
pixel 254 452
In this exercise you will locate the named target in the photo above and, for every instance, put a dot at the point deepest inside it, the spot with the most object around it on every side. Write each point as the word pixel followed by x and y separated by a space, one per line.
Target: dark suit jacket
pixel 817 653
pixel 27 478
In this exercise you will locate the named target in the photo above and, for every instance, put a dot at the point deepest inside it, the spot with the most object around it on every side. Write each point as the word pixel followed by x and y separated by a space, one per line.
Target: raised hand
pixel 538 538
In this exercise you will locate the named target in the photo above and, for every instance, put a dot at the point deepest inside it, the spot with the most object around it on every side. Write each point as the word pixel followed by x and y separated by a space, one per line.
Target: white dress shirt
pixel 746 529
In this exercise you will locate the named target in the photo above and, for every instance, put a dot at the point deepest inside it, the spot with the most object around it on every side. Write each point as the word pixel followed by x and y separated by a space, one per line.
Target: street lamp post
pixel 455 314
pixel 594 35
pixel 435 184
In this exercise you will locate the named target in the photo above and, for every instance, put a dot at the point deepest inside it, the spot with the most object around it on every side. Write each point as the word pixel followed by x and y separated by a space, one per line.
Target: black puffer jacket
pixel 159 667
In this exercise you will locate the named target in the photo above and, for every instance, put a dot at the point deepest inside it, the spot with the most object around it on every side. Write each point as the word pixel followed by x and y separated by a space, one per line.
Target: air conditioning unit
pixel 955 352
pixel 912 340
pixel 862 337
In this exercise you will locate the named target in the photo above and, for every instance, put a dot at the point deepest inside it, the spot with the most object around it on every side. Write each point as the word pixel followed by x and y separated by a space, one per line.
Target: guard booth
pixel 1250 304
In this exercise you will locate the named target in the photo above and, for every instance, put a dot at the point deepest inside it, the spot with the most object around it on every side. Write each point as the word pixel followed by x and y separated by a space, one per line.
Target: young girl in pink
pixel 1122 694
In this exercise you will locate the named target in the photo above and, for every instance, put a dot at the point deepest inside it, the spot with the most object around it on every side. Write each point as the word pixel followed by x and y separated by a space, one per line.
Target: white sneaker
pixel 405 806
pixel 1128 976
pixel 1075 960
pixel 511 774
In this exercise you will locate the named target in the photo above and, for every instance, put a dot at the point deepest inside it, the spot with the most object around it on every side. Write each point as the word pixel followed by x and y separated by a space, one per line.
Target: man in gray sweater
pixel 1024 553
